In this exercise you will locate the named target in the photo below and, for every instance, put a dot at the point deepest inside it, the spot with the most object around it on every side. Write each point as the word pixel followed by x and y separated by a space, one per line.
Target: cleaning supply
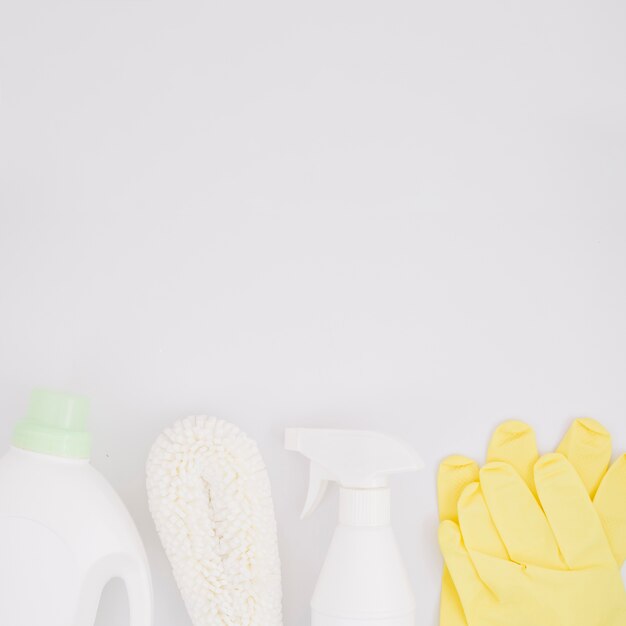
pixel 64 532
pixel 210 497
pixel 587 446
pixel 363 580
pixel 518 559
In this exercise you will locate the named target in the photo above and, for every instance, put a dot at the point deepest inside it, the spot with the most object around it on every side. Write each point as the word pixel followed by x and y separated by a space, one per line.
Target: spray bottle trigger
pixel 318 483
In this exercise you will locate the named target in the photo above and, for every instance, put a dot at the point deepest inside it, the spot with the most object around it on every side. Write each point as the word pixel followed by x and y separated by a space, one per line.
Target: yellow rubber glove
pixel 587 445
pixel 521 561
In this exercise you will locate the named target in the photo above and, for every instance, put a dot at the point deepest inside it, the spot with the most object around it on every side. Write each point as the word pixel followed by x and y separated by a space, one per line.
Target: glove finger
pixel 514 442
pixel 571 514
pixel 610 504
pixel 587 446
pixel 451 610
pixel 457 558
pixel 479 532
pixel 455 473
pixel 518 517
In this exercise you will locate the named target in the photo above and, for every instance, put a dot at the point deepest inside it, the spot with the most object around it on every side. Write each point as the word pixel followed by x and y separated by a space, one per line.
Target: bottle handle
pixel 135 575
pixel 138 583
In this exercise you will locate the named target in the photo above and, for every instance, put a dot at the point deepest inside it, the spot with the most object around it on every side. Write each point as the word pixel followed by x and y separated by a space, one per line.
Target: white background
pixel 404 216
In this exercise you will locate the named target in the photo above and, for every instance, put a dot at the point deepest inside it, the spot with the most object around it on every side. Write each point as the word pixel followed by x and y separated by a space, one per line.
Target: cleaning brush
pixel 210 497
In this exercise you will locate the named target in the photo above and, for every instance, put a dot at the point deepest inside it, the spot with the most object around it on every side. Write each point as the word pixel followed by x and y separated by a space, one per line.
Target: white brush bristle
pixel 210 498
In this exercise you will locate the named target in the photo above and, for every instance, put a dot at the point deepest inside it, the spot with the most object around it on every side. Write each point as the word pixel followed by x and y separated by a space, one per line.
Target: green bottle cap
pixel 55 423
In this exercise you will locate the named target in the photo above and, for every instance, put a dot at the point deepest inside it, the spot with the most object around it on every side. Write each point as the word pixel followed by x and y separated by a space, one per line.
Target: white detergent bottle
pixel 363 581
pixel 64 532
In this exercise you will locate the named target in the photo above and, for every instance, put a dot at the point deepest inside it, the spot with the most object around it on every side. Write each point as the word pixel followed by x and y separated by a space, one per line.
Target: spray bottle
pixel 363 580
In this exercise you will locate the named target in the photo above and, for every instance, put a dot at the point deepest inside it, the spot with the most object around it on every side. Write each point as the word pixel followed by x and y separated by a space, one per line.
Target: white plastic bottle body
pixel 363 581
pixel 64 533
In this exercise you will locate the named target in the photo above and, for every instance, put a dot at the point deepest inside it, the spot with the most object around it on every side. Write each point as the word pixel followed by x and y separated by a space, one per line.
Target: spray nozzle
pixel 356 459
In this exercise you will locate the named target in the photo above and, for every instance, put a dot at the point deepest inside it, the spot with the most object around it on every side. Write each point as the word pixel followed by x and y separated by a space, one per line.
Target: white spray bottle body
pixel 363 581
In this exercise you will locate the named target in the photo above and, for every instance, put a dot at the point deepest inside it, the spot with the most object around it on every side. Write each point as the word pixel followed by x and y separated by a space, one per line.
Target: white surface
pixel 404 216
